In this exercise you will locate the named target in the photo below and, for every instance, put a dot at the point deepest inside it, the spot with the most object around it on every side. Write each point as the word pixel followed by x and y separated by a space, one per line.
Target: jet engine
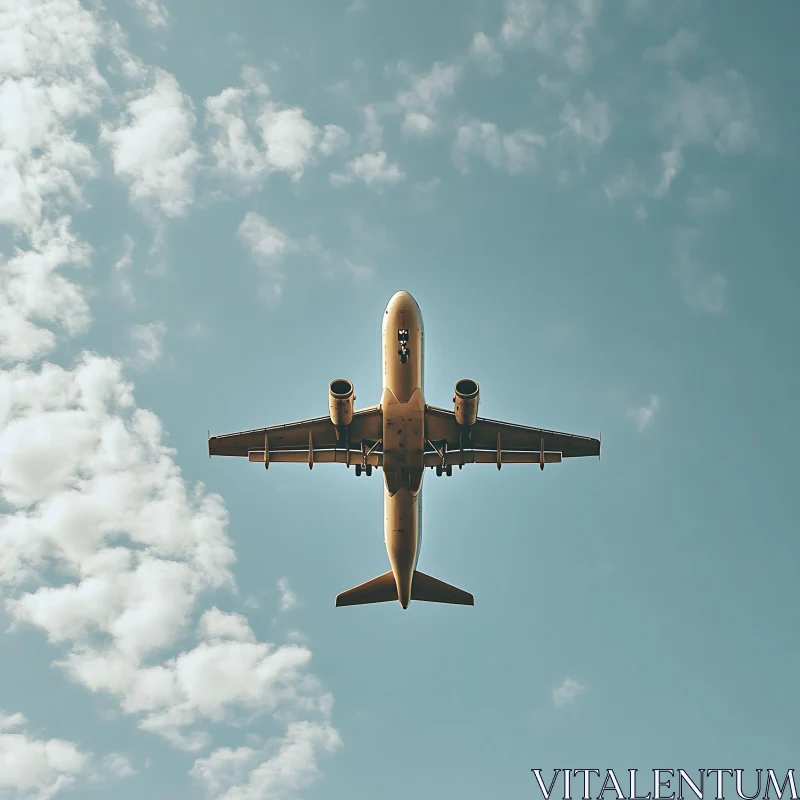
pixel 466 400
pixel 340 402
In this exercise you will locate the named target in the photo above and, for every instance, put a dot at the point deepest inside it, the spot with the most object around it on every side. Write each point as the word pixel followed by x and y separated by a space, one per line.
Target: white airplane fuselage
pixel 403 406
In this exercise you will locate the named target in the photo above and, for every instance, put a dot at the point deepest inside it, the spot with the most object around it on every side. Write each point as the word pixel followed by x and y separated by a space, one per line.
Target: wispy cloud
pixel 155 13
pixel 267 244
pixel 485 52
pixel 421 101
pixel 714 111
pixel 644 415
pixel 680 45
pixel 148 344
pixel 701 289
pixel 556 30
pixel 288 599
pixel 590 123
pixel 282 768
pixel 515 152
pixel 374 169
pixel 707 200
pixel 567 692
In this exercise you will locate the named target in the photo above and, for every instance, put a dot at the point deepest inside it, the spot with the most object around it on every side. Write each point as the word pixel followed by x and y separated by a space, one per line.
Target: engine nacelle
pixel 340 402
pixel 466 400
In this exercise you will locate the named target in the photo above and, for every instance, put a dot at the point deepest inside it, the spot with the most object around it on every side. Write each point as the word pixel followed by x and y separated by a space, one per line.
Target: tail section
pixel 379 590
pixel 383 589
pixel 431 590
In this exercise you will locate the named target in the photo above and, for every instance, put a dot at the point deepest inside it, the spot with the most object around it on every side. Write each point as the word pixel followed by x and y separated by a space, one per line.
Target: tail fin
pixel 379 590
pixel 431 590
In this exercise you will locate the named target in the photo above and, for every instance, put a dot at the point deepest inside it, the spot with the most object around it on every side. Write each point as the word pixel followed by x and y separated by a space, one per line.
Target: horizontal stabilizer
pixel 379 590
pixel 431 590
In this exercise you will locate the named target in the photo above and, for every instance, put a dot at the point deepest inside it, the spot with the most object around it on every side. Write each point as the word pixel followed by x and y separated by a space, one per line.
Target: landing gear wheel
pixel 403 358
pixel 358 470
pixel 438 470
pixel 369 470
pixel 449 470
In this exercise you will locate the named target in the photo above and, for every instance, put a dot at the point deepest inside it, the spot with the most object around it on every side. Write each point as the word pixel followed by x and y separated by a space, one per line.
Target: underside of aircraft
pixel 403 436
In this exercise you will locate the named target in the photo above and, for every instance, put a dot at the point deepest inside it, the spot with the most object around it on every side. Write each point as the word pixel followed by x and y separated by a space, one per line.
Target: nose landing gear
pixel 402 338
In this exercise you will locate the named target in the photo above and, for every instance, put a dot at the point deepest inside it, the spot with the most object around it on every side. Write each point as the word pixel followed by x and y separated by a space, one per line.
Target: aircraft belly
pixel 403 441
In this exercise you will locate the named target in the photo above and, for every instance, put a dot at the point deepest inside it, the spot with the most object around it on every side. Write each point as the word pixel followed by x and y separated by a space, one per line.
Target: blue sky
pixel 204 209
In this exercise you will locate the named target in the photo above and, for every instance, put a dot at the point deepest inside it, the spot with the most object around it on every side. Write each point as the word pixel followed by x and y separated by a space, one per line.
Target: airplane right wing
pixel 490 441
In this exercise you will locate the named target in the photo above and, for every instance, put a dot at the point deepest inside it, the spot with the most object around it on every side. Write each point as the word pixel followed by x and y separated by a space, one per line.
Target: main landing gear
pixel 402 338
pixel 441 469
pixel 367 469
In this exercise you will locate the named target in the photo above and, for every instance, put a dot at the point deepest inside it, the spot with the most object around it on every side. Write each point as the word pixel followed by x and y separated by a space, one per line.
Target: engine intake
pixel 466 400
pixel 340 402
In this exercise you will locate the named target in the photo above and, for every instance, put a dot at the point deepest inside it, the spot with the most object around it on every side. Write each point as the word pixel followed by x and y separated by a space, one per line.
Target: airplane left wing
pixel 491 435
pixel 299 441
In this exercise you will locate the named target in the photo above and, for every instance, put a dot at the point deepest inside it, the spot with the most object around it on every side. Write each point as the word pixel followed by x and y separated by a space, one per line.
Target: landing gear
pixel 402 338
pixel 358 470
pixel 365 469
pixel 441 469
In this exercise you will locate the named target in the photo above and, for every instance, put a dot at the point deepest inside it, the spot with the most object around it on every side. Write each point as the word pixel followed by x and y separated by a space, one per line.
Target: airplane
pixel 403 436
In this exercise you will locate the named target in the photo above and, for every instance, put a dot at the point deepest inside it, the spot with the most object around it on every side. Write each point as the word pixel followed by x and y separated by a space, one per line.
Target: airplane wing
pixel 307 440
pixel 515 443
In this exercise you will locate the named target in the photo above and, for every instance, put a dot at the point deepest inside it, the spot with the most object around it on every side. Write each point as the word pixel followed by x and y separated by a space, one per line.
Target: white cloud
pixel 282 769
pixel 33 293
pixel 567 693
pixel 233 149
pixel 219 681
pixel 372 137
pixel 715 111
pixel 556 30
pixel 216 624
pixel 372 168
pixel 288 597
pixel 267 244
pixel 148 343
pixel 484 50
pixel 103 545
pixel 114 766
pixel 334 138
pixel 49 81
pixel 418 124
pixel 515 152
pixel 288 141
pixel 156 14
pixel 643 415
pixel 36 768
pixel 153 150
pixel 425 94
pixel 702 290
pixel 95 494
pixel 591 123
pixel 682 43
